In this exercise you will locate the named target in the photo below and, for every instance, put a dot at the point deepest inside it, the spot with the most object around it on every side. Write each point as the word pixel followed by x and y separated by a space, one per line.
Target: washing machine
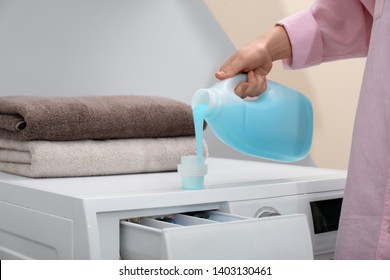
pixel 247 210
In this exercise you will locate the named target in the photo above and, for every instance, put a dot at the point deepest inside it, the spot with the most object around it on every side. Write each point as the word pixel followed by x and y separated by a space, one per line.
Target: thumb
pixel 228 70
pixel 222 74
pixel 225 73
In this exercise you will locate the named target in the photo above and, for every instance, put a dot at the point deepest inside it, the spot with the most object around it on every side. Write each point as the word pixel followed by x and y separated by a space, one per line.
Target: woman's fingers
pixel 254 85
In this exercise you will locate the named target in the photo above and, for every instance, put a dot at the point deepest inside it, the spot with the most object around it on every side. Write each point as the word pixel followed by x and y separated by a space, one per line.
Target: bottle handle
pixel 230 84
pixel 233 82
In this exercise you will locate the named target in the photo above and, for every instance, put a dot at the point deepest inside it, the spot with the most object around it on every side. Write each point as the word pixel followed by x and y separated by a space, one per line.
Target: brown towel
pixel 93 117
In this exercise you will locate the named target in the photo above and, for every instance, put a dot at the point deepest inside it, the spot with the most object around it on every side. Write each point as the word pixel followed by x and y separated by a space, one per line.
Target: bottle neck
pixel 206 100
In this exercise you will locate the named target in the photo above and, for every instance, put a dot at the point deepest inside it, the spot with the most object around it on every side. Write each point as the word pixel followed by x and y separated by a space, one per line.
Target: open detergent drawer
pixel 216 235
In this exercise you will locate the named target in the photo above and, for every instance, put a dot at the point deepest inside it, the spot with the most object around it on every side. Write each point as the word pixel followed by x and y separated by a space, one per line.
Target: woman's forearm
pixel 277 43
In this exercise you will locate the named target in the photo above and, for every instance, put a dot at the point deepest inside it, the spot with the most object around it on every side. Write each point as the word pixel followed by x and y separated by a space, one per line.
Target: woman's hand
pixel 255 59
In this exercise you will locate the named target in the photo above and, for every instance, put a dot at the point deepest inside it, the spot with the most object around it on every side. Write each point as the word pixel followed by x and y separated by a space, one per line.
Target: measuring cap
pixel 192 170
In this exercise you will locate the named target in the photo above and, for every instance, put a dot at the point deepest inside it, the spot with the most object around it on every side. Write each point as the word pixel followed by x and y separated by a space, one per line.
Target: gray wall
pixel 74 47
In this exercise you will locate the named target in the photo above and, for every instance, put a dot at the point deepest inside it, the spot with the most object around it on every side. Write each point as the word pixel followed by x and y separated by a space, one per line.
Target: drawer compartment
pixel 216 235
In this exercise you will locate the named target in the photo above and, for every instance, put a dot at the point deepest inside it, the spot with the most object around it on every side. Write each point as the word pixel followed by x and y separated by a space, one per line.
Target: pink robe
pixel 339 29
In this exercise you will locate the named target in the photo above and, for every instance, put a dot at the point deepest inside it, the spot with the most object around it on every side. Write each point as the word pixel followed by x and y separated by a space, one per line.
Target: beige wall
pixel 332 87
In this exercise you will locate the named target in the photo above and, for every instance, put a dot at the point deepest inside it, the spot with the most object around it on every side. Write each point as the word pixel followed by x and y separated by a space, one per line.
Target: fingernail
pixel 220 75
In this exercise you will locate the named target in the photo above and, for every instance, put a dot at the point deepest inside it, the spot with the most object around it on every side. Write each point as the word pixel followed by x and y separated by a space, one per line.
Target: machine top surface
pixel 222 174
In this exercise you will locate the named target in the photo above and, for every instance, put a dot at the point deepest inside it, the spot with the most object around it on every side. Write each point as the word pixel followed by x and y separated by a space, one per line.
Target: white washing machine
pixel 247 210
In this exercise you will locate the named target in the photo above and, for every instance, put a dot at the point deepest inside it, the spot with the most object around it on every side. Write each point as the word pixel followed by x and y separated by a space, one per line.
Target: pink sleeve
pixel 330 30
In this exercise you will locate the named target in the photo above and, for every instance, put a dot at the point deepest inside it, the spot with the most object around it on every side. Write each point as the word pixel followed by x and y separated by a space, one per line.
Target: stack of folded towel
pixel 94 135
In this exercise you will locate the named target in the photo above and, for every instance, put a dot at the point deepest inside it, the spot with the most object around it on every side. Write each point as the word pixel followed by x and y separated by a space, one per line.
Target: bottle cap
pixel 192 170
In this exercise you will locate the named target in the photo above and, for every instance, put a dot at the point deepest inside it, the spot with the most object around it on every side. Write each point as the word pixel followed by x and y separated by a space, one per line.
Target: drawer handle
pixel 267 211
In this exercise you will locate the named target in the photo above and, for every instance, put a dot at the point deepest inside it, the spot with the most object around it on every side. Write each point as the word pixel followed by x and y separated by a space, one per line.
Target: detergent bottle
pixel 277 125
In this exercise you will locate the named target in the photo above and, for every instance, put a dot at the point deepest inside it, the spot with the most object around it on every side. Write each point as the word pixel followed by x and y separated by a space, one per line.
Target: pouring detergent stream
pixel 278 125
pixel 192 168
pixel 198 112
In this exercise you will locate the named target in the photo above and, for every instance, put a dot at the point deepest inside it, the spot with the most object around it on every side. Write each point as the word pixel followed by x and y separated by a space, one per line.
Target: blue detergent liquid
pixel 199 112
pixel 278 125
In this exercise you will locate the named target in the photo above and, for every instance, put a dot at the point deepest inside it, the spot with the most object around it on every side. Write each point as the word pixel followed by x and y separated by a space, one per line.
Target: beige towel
pixel 94 157
pixel 93 117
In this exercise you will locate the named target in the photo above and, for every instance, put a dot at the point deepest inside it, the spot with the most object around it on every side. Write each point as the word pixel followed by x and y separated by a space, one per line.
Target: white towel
pixel 94 157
